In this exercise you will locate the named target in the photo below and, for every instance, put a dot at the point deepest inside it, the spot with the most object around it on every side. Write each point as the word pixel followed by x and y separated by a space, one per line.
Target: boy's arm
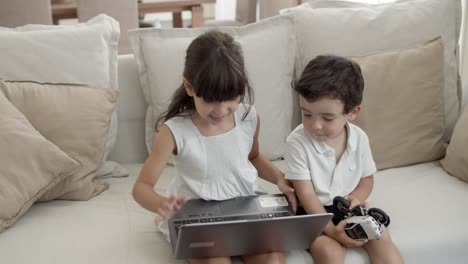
pixel 312 205
pixel 309 200
pixel 361 192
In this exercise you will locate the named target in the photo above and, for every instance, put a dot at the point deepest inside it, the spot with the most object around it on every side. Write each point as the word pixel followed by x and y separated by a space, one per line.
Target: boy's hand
pixel 353 201
pixel 338 233
pixel 170 206
pixel 285 187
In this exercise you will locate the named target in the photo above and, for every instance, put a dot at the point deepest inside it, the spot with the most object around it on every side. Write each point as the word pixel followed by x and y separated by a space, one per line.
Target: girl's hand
pixel 170 206
pixel 285 187
pixel 338 233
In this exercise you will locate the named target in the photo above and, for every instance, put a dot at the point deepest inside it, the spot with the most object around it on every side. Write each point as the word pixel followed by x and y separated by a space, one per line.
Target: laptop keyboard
pixel 181 222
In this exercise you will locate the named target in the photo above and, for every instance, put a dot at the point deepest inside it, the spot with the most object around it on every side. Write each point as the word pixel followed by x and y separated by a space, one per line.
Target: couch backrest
pixel 131 109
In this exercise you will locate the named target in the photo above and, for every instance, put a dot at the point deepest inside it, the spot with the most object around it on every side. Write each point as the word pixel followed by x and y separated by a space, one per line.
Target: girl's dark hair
pixel 332 77
pixel 214 66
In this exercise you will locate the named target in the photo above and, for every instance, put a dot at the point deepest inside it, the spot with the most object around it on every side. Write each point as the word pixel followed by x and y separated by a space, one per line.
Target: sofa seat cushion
pixel 422 200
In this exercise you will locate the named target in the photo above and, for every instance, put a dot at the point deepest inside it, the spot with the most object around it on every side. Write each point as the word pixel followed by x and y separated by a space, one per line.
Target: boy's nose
pixel 316 125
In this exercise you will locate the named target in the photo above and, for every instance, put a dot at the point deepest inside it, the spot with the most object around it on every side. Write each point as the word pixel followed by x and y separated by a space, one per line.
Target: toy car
pixel 362 223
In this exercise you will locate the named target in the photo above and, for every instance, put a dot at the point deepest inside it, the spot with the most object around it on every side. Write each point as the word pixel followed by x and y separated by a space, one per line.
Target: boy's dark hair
pixel 214 67
pixel 332 77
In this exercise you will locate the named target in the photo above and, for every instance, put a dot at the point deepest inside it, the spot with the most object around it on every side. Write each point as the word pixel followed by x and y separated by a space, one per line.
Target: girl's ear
pixel 188 88
pixel 353 114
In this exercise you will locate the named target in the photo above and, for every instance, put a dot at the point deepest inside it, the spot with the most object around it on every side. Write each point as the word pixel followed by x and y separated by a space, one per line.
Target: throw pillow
pixel 268 47
pixel 76 118
pixel 84 53
pixel 403 107
pixel 30 165
pixel 350 29
pixel 456 160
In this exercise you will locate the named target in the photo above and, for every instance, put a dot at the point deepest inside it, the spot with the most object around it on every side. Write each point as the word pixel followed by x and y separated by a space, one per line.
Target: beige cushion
pixel 456 160
pixel 83 53
pixel 29 164
pixel 403 104
pixel 356 29
pixel 75 118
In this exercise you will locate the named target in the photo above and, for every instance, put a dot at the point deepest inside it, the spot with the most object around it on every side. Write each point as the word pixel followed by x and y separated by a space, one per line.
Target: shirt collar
pixel 321 147
pixel 352 138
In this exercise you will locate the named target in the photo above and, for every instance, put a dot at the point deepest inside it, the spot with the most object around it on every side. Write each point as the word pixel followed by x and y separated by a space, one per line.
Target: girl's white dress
pixel 216 167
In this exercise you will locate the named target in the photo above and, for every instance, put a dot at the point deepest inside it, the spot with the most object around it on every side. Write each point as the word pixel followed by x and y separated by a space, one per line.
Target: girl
pixel 213 136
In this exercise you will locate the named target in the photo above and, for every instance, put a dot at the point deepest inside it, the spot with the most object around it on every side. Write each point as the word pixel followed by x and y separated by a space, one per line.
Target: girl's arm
pixel 268 171
pixel 361 192
pixel 143 193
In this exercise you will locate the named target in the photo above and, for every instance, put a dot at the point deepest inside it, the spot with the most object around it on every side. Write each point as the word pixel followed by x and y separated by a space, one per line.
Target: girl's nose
pixel 221 109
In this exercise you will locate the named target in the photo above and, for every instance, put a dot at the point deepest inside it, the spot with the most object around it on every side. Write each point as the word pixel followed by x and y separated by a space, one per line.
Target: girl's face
pixel 214 113
pixel 324 119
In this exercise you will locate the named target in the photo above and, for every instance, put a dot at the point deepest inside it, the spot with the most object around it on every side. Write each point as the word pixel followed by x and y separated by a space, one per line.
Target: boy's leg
pixel 327 250
pixel 383 250
pixel 270 258
pixel 220 260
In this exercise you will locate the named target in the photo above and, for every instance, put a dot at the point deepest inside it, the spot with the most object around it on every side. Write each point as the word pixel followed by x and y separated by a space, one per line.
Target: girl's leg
pixel 383 250
pixel 220 260
pixel 270 258
pixel 327 250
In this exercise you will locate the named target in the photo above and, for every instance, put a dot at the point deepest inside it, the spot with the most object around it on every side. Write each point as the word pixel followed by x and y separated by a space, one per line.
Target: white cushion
pixel 354 29
pixel 83 53
pixel 124 232
pixel 269 48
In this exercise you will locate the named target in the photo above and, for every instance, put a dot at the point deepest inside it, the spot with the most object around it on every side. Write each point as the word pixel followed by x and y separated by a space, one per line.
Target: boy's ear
pixel 188 88
pixel 353 114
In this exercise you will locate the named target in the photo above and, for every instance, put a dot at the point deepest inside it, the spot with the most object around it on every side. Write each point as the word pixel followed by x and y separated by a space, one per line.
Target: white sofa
pixel 427 207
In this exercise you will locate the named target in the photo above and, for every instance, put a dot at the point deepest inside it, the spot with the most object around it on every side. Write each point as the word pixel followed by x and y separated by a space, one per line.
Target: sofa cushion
pixel 125 233
pixel 354 29
pixel 84 53
pixel 160 55
pixel 456 160
pixel 29 164
pixel 75 118
pixel 403 107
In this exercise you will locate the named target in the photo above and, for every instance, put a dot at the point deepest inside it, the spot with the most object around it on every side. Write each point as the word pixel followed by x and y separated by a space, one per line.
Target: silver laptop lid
pixel 241 208
pixel 243 237
pixel 237 226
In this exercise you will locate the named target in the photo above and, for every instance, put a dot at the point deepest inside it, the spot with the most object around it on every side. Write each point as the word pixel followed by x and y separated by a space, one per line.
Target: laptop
pixel 241 226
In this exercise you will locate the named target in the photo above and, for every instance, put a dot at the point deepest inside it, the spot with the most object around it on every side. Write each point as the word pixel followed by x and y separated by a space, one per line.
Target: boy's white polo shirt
pixel 309 159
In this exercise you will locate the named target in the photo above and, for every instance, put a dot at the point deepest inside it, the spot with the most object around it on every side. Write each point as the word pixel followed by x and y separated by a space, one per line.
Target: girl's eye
pixel 328 119
pixel 306 115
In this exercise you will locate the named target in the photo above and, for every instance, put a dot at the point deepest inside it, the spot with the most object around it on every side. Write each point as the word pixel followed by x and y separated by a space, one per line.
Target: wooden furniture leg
pixel 197 16
pixel 177 19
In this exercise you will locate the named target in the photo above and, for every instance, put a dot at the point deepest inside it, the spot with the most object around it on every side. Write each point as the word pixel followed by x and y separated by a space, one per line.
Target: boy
pixel 328 156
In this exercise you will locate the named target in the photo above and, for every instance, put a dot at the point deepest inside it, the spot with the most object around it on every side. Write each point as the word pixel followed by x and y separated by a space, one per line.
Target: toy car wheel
pixel 379 215
pixel 340 209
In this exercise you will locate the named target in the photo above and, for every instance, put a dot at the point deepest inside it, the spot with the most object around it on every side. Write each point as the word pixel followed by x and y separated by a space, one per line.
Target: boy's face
pixel 325 119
